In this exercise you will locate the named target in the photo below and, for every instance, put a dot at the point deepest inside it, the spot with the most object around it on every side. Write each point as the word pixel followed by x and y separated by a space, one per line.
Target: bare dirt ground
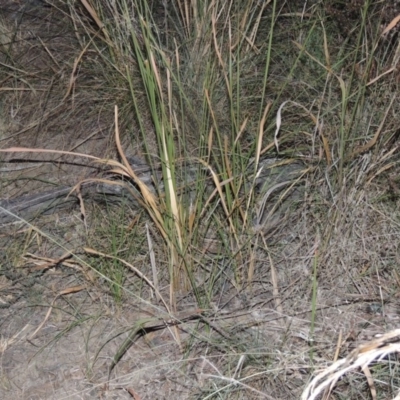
pixel 61 326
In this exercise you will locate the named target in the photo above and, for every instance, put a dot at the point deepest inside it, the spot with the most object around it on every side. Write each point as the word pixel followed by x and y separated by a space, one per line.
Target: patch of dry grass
pixel 272 135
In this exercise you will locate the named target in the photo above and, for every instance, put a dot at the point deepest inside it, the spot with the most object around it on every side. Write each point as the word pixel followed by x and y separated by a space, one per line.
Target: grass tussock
pixel 270 132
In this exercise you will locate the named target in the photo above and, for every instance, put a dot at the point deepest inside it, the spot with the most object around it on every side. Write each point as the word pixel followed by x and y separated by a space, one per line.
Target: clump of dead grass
pixel 374 351
pixel 221 87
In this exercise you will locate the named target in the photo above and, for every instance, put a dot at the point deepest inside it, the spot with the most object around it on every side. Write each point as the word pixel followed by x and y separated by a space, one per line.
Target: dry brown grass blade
pixel 96 19
pixel 12 89
pixel 241 130
pixel 73 75
pixel 73 289
pixel 49 263
pixel 338 346
pixel 267 147
pixel 382 75
pixel 326 48
pixel 381 170
pixel 391 25
pixel 370 381
pixel 156 74
pixel 32 150
pixel 325 144
pixel 92 13
pixel 210 139
pixel 148 197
